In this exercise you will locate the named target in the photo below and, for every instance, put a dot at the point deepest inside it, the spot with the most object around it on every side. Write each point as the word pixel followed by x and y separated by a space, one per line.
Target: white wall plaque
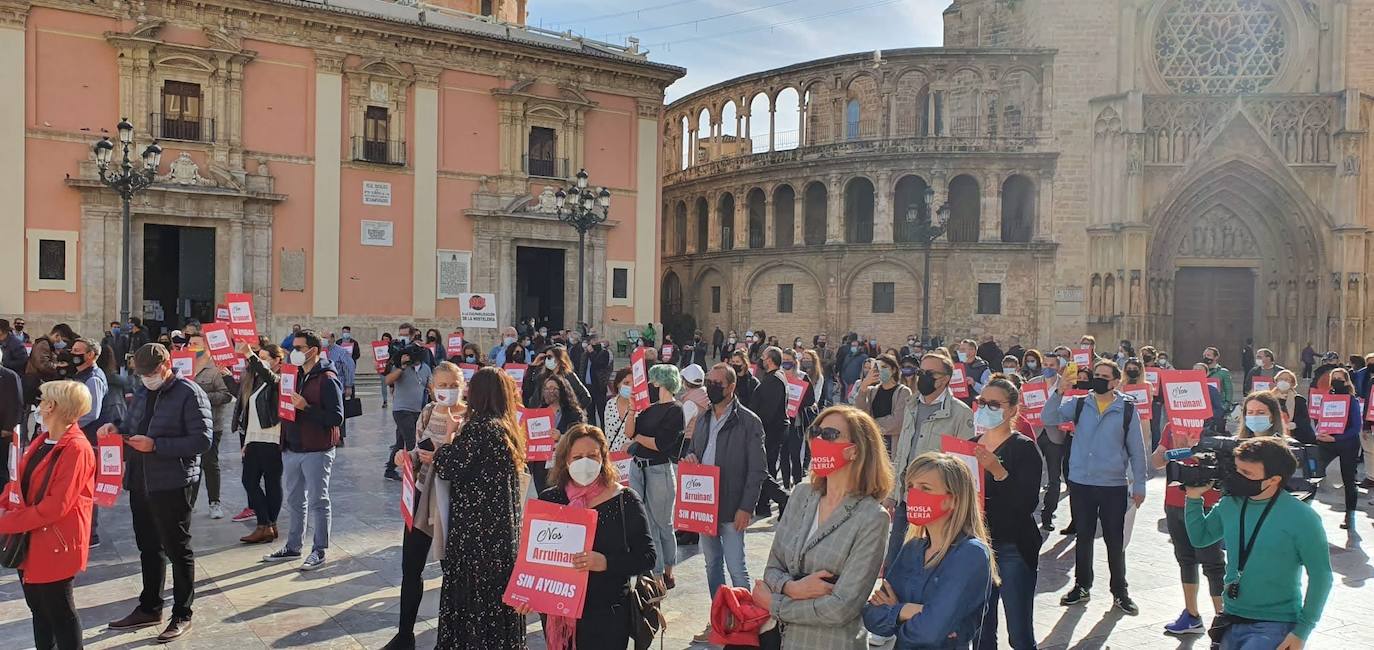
pixel 377 233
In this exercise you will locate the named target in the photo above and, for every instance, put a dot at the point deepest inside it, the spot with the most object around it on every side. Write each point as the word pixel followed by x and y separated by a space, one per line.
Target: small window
pixel 884 297
pixel 486 7
pixel 52 259
pixel 784 299
pixel 180 110
pixel 715 300
pixel 989 298
pixel 851 119
pixel 620 283
pixel 543 152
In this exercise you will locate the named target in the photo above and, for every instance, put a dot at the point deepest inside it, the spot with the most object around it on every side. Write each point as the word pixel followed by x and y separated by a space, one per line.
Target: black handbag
pixel 645 600
pixel 15 546
pixel 352 407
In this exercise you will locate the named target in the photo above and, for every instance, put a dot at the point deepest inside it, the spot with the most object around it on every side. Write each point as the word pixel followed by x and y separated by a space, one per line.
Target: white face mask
pixel 584 471
pixel 297 358
pixel 446 396
pixel 550 363
pixel 1284 386
pixel 153 382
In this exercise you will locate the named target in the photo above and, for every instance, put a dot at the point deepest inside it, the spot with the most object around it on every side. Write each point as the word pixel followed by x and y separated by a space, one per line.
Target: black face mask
pixel 1339 387
pixel 1237 485
pixel 1369 366
pixel 1207 361
pixel 926 384
pixel 1133 374
pixel 1099 385
pixel 715 392
pixel 739 370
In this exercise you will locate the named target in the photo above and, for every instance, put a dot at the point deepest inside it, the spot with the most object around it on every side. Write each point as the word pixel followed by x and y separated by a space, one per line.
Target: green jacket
pixel 1292 541
pixel 1224 376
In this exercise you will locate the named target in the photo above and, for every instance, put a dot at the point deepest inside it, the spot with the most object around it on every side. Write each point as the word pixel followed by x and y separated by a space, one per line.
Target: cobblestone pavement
pixel 351 603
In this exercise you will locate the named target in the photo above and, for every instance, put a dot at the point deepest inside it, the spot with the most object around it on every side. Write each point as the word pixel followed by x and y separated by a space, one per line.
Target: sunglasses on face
pixel 828 434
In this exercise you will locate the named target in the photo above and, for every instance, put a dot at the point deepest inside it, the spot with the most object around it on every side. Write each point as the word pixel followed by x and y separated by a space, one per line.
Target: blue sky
pixel 713 45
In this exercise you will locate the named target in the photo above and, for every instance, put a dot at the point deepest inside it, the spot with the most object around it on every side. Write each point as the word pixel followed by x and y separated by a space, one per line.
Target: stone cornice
pixel 13 13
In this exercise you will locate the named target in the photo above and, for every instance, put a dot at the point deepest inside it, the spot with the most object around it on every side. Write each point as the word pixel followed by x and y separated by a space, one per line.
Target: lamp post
pixel 582 208
pixel 925 230
pixel 127 181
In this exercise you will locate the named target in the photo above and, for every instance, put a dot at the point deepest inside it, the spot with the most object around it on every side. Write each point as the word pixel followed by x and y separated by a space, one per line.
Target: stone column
pixel 990 225
pixel 236 245
pixel 834 214
pixel 13 57
pixel 713 223
pixel 1044 206
pixel 324 253
pixel 769 225
pixel 882 209
pixel 425 206
pixel 741 234
pixel 772 128
pixel 798 218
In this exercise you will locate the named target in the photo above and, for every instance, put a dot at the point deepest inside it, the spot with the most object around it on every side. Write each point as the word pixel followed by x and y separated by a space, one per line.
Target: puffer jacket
pixel 181 429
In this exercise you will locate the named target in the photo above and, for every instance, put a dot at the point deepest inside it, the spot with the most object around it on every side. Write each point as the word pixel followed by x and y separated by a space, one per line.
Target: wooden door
pixel 1212 307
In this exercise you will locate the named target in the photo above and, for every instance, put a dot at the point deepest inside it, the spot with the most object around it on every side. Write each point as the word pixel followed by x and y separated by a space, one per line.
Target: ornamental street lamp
pixel 127 181
pixel 582 208
pixel 922 229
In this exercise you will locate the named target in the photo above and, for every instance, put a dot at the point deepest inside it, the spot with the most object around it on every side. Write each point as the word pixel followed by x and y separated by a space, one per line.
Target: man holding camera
pixel 408 379
pixel 1273 541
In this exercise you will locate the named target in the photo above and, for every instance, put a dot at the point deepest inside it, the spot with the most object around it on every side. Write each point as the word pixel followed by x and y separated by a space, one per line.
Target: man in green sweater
pixel 1270 536
pixel 1211 357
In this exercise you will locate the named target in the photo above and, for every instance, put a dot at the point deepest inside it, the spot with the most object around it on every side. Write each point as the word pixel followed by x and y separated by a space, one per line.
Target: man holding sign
pixel 729 437
pixel 1338 436
pixel 1107 449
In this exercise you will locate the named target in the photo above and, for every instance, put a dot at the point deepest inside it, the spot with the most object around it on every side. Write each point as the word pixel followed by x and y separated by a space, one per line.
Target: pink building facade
pixel 361 162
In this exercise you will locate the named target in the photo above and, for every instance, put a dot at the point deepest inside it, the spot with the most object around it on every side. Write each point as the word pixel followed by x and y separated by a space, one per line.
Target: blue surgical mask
pixel 1048 372
pixel 1258 423
pixel 963 357
pixel 988 417
pixel 884 374
pixel 508 340
pixel 854 348
pixel 624 392
pixel 346 336
pixel 788 365
pixel 59 345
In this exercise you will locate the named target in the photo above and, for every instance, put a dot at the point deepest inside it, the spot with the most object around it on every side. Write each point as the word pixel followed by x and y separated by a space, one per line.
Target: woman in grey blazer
pixel 831 541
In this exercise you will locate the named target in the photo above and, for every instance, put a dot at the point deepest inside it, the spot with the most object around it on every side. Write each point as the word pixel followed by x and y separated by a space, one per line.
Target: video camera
pixel 414 351
pixel 1215 458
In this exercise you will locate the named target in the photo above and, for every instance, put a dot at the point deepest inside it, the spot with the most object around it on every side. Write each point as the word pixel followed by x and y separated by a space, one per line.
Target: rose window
pixel 1205 47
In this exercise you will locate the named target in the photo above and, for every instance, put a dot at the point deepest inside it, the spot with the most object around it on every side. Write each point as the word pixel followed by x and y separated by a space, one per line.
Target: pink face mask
pixel 828 457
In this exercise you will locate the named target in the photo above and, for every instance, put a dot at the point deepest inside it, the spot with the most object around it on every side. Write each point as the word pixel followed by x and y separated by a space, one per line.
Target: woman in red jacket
pixel 57 519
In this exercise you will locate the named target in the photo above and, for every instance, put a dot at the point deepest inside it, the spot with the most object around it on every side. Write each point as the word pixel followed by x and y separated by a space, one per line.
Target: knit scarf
pixel 562 630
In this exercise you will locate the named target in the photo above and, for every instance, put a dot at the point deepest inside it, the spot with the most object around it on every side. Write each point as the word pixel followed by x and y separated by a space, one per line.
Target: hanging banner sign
pixel 698 500
pixel 544 578
pixel 109 473
pixel 539 442
pixel 639 380
pixel 286 409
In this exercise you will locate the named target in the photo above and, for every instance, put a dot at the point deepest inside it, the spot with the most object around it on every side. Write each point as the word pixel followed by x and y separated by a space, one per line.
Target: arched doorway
pixel 858 211
pixel 1234 256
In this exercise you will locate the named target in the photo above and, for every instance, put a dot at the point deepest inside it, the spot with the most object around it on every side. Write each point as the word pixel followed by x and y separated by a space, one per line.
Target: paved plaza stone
pixel 244 604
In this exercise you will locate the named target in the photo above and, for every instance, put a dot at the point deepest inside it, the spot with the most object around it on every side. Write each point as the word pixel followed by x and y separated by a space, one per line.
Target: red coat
pixel 60 524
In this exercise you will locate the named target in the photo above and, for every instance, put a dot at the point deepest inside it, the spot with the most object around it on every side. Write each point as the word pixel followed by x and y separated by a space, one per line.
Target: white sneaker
pixel 877 640
pixel 216 510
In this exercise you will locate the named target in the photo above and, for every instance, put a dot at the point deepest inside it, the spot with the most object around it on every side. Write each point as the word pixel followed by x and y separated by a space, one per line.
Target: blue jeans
pixel 307 475
pixel 1261 635
pixel 725 549
pixel 656 486
pixel 1017 593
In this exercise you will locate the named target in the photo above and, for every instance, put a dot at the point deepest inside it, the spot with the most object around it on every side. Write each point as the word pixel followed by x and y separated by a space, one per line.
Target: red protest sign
pixel 1314 404
pixel 184 363
pixel 1152 376
pixel 623 462
pixel 455 345
pixel 221 313
pixel 1186 399
pixel 796 387
pixel 1214 383
pixel 221 348
pixel 1141 394
pixel 12 488
pixel 241 322
pixel 544 577
pixel 516 372
pixel 469 369
pixel 965 450
pixel 240 365
pixel 1083 357
pixel 286 409
pixel 1034 394
pixel 697 498
pixel 639 380
pixel 666 354
pixel 1369 404
pixel 1335 413
pixel 109 473
pixel 538 424
pixel 1261 383
pixel 381 354
pixel 407 491
pixel 958 382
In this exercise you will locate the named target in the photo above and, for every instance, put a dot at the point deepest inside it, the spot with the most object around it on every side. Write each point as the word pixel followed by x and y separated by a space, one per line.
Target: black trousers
pixel 55 621
pixel 1056 464
pixel 162 530
pixel 405 434
pixel 1092 504
pixel 209 467
pixel 262 480
pixel 1348 451
pixel 414 555
pixel 794 446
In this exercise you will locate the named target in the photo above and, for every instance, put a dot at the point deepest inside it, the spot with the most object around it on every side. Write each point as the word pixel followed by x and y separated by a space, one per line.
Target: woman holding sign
pixel 257 417
pixel 1342 439
pixel 830 543
pixel 483 466
pixel 555 393
pixel 440 419
pixel 935 593
pixel 211 379
pixel 51 503
pixel 584 477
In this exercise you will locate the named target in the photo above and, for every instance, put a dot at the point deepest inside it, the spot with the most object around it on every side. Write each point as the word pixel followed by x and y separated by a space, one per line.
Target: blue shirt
pixel 1100 455
pixel 953 596
pixel 344 365
pixel 98 385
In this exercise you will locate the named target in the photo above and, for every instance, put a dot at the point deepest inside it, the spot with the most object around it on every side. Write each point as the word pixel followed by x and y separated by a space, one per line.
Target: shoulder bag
pixel 645 599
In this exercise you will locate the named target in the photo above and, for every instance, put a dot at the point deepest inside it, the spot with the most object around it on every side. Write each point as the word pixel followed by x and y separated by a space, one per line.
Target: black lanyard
pixel 1244 547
